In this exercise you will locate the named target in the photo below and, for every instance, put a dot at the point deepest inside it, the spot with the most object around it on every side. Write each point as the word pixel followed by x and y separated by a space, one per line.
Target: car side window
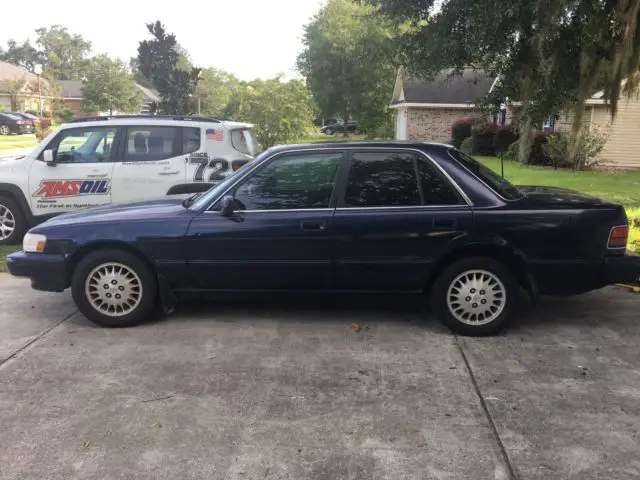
pixel 190 140
pixel 147 144
pixel 382 180
pixel 84 145
pixel 434 189
pixel 301 181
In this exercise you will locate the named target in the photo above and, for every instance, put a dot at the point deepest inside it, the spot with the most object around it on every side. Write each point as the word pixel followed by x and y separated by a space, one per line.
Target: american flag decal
pixel 217 135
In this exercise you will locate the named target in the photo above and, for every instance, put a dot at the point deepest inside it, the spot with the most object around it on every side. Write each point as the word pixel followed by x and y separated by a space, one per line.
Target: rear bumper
pixel 48 272
pixel 623 269
pixel 572 278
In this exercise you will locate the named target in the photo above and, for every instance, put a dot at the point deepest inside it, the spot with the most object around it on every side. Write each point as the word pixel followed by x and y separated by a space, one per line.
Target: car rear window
pixel 494 181
pixel 243 140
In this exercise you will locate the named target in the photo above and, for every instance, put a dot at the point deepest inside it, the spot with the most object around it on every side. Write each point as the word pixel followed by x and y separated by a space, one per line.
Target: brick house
pixel 426 110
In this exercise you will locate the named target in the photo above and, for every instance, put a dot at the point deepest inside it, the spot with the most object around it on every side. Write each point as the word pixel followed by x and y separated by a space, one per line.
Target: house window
pixel 549 124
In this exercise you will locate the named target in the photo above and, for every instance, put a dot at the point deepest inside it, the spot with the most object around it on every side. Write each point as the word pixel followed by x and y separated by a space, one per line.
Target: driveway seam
pixel 35 339
pixel 485 408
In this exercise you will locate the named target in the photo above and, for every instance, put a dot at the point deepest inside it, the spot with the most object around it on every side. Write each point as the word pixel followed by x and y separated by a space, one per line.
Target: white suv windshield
pixel 244 141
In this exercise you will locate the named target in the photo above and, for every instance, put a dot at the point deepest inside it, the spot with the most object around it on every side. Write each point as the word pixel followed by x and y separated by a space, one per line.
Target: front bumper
pixel 622 269
pixel 48 272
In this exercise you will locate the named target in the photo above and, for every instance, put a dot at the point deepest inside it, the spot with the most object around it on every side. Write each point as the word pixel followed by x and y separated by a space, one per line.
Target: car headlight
pixel 34 243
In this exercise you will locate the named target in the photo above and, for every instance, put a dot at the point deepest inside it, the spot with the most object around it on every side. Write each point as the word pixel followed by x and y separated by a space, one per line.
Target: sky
pixel 249 38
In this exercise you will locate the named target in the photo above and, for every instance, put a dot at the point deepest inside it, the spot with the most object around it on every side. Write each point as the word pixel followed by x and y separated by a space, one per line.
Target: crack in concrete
pixel 503 451
pixel 35 339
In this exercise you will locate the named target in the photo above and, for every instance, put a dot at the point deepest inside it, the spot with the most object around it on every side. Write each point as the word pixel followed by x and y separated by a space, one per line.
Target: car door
pixel 80 175
pixel 151 160
pixel 278 238
pixel 397 214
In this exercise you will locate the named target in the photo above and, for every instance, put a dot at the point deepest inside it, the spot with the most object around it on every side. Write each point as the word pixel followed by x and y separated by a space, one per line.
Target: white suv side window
pixel 148 144
pixel 85 145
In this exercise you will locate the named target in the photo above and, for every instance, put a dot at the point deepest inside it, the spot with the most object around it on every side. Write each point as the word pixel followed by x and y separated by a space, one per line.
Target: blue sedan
pixel 343 217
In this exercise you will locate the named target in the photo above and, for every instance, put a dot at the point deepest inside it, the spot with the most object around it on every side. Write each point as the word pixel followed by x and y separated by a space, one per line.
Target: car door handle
pixel 98 175
pixel 313 226
pixel 444 223
pixel 174 172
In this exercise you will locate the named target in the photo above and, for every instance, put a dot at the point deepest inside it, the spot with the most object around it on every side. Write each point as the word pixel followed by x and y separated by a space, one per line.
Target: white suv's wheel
pixel 114 288
pixel 12 223
pixel 475 296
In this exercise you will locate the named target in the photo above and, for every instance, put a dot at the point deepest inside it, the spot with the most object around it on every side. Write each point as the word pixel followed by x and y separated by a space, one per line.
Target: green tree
pixel 64 55
pixel 551 56
pixel 109 86
pixel 348 62
pixel 216 88
pixel 24 55
pixel 281 111
pixel 160 61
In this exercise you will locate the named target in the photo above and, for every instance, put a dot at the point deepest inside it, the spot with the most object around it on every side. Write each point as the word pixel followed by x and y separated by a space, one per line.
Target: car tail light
pixel 618 237
pixel 20 122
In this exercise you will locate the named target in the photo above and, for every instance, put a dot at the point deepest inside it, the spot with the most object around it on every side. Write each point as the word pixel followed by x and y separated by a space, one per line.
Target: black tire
pixel 8 204
pixel 329 131
pixel 146 306
pixel 441 287
pixel 4 130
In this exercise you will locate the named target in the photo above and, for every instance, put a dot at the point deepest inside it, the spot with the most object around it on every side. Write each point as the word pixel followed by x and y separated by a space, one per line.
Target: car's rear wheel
pixel 12 222
pixel 475 296
pixel 329 131
pixel 4 130
pixel 114 288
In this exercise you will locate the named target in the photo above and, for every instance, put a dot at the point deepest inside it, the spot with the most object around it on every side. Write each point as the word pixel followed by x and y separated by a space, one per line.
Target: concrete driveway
pixel 275 390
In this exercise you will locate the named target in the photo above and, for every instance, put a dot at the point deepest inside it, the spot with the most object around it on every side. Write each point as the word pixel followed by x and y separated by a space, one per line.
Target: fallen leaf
pixel 422 445
pixel 87 444
pixel 356 327
pixel 157 424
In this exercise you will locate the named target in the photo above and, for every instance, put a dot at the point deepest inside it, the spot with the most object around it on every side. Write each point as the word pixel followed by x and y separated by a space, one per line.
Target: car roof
pixel 364 144
pixel 175 120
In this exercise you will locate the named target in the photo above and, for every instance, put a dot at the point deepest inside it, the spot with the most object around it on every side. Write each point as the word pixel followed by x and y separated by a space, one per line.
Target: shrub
pixel 42 132
pixel 504 138
pixel 482 134
pixel 558 150
pixel 634 234
pixel 461 130
pixel 467 146
pixel 64 115
pixel 513 151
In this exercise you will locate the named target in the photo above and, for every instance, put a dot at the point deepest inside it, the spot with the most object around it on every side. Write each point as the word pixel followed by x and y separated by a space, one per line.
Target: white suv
pixel 99 160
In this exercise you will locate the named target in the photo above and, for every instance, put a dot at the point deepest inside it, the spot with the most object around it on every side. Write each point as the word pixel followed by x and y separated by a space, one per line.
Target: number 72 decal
pixel 219 166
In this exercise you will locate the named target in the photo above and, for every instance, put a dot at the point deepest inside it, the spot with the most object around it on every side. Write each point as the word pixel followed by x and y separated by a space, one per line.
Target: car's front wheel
pixel 114 288
pixel 475 296
pixel 329 131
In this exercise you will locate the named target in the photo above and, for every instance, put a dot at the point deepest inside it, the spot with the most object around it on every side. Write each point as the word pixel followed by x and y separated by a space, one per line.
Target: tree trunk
pixel 526 141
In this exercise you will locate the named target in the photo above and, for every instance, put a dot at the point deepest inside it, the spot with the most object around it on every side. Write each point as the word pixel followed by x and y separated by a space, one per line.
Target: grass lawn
pixel 10 142
pixel 623 187
pixel 4 251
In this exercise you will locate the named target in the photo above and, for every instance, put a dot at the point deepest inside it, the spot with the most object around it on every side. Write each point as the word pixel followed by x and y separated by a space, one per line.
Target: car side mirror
pixel 227 206
pixel 48 157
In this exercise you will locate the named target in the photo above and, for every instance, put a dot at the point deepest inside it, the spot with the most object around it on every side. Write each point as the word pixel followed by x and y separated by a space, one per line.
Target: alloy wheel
pixel 113 289
pixel 7 222
pixel 476 297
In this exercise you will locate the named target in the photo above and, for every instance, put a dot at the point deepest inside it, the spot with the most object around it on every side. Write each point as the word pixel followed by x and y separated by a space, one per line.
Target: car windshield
pixel 214 191
pixel 501 186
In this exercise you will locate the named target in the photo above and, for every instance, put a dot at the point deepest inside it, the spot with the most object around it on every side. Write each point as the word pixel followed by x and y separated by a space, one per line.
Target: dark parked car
pixel 26 116
pixel 10 123
pixel 339 127
pixel 352 217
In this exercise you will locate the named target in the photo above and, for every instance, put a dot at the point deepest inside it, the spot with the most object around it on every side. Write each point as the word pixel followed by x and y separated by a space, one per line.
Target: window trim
pixel 421 156
pixel 340 181
pixel 332 201
pixel 176 147
pixel 54 144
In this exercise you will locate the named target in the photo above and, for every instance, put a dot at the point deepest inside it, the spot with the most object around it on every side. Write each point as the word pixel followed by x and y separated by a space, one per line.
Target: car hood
pixel 147 210
pixel 551 197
